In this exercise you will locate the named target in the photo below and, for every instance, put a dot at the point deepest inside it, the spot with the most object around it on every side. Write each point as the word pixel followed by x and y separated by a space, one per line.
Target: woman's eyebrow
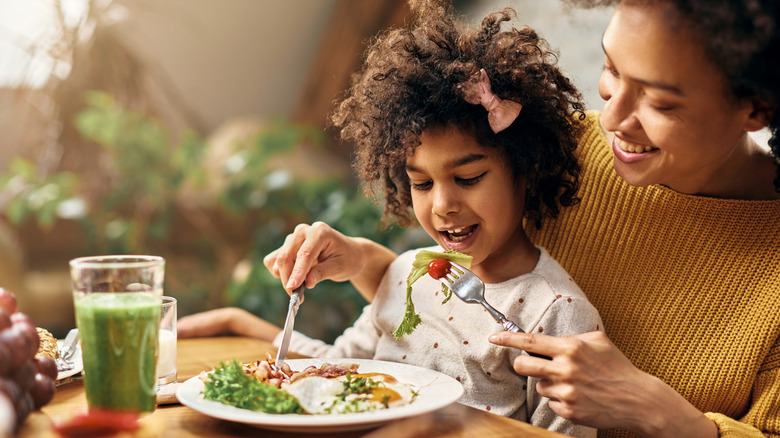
pixel 646 82
pixel 460 161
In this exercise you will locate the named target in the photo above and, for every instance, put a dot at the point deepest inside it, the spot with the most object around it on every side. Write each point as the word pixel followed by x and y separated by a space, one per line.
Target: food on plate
pixel 328 389
pixel 232 385
pixel 349 393
pixel 265 371
pixel 48 346
pixel 420 267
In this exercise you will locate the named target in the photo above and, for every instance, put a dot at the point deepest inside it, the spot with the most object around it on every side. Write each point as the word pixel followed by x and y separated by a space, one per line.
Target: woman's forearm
pixel 670 414
pixel 591 382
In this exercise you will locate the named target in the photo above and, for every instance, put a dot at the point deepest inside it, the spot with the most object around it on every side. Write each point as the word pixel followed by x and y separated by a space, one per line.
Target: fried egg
pixel 320 395
pixel 315 394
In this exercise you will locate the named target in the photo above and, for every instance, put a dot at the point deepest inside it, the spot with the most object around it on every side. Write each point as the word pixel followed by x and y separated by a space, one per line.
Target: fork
pixel 63 365
pixel 470 289
pixel 67 349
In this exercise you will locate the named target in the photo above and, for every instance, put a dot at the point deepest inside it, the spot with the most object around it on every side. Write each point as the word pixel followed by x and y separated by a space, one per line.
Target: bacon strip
pixel 266 371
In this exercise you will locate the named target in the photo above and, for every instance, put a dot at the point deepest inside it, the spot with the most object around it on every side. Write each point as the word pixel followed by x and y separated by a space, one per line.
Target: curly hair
pixel 411 81
pixel 742 39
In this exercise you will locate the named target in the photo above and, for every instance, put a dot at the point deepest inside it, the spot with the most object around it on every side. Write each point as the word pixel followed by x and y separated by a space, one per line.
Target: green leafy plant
pixel 283 202
pixel 133 201
pixel 134 208
pixel 28 193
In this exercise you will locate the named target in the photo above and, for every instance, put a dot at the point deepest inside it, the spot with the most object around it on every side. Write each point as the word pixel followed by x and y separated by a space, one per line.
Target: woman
pixel 680 265
pixel 676 238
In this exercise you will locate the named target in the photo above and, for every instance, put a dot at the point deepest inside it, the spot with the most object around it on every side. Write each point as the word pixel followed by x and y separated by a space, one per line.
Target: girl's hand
pixel 317 252
pixel 590 382
pixel 209 323
pixel 226 321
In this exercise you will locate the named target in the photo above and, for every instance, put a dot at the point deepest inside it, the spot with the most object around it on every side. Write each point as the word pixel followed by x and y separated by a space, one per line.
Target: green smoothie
pixel 118 334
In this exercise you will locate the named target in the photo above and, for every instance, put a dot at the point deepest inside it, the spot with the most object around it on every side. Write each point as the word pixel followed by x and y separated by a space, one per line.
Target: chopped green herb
pixel 229 384
pixel 357 385
pixel 419 268
pixel 354 397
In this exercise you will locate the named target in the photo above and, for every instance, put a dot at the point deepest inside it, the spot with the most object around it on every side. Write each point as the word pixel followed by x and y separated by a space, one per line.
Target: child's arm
pixel 317 252
pixel 226 321
pixel 358 341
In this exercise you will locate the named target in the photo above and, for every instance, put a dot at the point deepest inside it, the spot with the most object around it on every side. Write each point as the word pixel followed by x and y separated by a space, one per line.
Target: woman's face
pixel 466 198
pixel 666 106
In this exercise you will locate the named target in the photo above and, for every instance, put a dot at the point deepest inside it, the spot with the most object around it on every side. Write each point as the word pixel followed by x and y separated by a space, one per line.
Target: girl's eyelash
pixel 462 181
pixel 471 181
pixel 421 186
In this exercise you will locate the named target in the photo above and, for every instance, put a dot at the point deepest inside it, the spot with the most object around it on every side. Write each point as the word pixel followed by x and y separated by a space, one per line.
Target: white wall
pixel 574 33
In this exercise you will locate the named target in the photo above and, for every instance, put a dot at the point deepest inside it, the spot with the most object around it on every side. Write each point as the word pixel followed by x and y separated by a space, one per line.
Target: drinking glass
pixel 166 360
pixel 117 300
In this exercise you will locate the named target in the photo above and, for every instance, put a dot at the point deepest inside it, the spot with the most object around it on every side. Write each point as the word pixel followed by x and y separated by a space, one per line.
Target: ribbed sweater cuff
pixel 731 428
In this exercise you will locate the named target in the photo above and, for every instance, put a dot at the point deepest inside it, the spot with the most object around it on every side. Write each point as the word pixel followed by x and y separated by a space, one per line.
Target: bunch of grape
pixel 26 382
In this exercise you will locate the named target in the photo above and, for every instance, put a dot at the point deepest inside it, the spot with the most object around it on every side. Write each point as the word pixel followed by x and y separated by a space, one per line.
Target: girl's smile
pixel 466 198
pixel 459 234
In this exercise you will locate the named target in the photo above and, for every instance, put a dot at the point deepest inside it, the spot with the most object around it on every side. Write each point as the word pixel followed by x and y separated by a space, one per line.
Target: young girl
pixel 473 129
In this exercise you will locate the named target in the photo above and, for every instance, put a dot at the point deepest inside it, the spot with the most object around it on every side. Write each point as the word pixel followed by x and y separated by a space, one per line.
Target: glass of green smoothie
pixel 117 301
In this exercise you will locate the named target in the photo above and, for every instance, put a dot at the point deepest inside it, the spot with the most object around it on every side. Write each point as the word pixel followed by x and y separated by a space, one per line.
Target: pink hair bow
pixel 501 113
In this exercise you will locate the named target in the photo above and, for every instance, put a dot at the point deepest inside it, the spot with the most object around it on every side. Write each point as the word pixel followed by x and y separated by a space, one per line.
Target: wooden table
pixel 203 354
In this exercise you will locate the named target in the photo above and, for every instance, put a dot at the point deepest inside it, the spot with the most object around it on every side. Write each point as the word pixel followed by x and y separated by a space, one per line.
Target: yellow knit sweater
pixel 688 287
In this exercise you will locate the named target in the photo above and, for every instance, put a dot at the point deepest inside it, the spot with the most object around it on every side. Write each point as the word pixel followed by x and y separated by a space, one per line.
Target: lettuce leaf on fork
pixel 419 268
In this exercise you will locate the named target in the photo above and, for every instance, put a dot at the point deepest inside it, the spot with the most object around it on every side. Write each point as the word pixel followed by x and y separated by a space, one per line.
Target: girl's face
pixel 666 106
pixel 466 197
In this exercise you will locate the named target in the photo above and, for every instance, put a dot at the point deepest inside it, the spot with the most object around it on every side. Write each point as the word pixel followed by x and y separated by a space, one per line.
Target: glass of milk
pixel 166 361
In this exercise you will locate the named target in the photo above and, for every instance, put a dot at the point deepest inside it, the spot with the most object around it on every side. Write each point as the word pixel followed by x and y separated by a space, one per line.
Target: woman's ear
pixel 761 114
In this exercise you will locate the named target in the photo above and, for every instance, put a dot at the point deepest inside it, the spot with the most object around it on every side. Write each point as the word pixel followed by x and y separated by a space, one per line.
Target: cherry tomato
pixel 439 268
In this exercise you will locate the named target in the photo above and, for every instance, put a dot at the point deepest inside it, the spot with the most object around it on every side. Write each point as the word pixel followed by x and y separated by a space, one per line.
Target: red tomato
pixel 439 268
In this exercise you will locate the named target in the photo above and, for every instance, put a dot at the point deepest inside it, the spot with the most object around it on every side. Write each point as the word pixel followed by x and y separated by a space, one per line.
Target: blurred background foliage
pixel 105 152
pixel 149 172
pixel 199 134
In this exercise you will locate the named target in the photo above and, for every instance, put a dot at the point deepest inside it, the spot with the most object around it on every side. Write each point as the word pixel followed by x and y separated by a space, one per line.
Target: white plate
pixel 437 390
pixel 78 364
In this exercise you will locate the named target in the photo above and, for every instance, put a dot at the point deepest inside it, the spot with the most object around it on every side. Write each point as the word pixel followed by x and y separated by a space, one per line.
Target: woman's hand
pixel 317 252
pixel 590 382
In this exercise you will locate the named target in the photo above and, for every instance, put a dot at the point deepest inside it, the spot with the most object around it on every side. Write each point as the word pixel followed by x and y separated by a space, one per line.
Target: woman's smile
pixel 628 153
